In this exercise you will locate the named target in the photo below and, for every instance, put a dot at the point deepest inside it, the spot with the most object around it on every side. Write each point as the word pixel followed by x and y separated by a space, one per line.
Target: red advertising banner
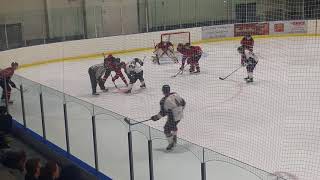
pixel 252 28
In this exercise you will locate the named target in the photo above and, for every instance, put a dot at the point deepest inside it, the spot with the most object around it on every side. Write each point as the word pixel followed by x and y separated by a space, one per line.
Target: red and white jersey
pixel 6 73
pixel 247 42
pixel 191 52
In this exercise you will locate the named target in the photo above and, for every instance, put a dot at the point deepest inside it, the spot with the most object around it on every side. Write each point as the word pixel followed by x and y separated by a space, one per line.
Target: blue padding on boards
pixel 62 152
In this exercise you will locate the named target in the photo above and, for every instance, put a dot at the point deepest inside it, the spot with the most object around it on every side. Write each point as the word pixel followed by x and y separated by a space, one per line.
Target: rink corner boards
pixel 205 41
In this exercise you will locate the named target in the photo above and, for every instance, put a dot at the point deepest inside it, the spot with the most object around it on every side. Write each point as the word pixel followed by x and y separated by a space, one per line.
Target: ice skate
pixel 246 78
pixel 95 94
pixel 170 146
pixel 197 71
pixel 249 80
pixel 104 90
pixel 128 91
pixel 143 85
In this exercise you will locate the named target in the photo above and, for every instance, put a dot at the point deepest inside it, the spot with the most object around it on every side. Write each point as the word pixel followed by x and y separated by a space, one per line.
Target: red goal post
pixel 176 37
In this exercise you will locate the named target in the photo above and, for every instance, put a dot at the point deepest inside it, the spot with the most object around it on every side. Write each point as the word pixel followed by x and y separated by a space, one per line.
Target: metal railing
pixel 103 140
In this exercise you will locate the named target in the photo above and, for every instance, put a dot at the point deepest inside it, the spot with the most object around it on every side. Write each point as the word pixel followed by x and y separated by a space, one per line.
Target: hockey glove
pixel 154 118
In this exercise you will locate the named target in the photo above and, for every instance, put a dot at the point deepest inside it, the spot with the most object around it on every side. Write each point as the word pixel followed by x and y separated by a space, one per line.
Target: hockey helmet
pixel 14 64
pixel 122 64
pixel 180 47
pixel 165 89
pixel 110 56
pixel 136 60
pixel 247 36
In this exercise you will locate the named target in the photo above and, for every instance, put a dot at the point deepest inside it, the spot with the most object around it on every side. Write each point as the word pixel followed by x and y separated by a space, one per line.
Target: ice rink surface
pixel 272 123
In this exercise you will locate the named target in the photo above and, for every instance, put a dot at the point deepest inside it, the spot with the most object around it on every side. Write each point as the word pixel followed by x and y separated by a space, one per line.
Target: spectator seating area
pixel 22 161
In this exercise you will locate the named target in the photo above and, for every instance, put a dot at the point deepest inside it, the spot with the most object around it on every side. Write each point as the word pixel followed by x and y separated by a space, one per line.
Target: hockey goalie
pixel 164 49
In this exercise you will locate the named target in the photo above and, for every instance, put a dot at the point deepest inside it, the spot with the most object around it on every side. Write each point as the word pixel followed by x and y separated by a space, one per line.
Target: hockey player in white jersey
pixel 172 106
pixel 134 72
pixel 250 60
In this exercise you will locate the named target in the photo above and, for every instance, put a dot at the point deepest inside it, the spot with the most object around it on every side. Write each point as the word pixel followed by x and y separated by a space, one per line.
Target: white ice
pixel 272 123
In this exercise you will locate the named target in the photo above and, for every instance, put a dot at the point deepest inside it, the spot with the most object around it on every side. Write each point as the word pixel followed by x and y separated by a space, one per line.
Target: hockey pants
pixel 170 126
pixel 251 67
pixel 136 76
pixel 6 89
pixel 194 63
pixel 94 81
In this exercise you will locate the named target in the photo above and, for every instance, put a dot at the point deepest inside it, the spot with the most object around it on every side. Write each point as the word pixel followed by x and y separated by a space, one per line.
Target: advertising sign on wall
pixel 251 28
pixel 297 27
pixel 287 27
pixel 279 27
pixel 218 31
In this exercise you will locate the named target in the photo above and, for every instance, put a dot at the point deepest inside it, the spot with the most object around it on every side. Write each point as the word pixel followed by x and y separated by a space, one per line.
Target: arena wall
pixel 90 48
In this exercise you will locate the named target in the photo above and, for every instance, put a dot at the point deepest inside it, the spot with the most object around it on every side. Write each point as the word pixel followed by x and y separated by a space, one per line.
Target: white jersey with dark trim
pixel 172 105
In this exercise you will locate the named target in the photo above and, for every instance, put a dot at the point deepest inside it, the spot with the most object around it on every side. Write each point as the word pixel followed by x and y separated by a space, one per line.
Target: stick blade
pixel 221 78
pixel 127 120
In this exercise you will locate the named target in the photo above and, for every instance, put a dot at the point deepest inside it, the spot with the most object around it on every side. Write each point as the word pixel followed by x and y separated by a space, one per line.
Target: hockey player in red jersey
pixel 247 42
pixel 192 55
pixel 164 48
pixel 6 83
pixel 114 64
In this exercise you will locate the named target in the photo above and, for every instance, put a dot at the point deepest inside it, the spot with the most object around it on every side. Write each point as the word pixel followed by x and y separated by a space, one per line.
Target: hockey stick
pixel 113 82
pixel 24 89
pixel 223 78
pixel 176 74
pixel 144 58
pixel 128 121
pixel 172 56
pixel 179 72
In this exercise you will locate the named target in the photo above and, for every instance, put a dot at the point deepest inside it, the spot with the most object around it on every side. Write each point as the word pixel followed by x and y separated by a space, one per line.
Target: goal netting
pixel 176 37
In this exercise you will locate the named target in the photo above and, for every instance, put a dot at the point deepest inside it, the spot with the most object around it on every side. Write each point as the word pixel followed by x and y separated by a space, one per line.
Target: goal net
pixel 176 37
